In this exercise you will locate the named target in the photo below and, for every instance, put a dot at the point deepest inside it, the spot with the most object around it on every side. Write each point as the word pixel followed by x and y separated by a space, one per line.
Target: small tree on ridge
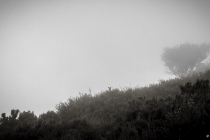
pixel 182 60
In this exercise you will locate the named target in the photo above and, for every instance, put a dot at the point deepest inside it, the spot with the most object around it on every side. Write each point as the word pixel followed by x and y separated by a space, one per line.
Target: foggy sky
pixel 51 50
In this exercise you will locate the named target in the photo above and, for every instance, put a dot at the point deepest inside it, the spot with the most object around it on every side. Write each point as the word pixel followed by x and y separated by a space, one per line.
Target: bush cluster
pixel 173 109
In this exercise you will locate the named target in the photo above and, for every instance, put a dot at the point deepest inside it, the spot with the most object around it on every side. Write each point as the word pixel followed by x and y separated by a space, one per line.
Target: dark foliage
pixel 171 110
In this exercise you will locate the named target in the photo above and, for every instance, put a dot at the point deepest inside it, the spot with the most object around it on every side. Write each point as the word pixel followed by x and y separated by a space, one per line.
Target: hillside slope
pixel 172 109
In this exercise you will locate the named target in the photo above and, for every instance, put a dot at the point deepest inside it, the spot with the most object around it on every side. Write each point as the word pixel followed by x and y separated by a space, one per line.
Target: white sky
pixel 51 50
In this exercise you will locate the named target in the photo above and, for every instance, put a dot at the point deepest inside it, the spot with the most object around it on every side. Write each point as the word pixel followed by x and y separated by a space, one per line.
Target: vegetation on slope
pixel 173 109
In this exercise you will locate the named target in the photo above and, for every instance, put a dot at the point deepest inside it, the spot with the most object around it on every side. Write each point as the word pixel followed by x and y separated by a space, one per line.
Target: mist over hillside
pixel 50 50
pixel 104 70
pixel 172 109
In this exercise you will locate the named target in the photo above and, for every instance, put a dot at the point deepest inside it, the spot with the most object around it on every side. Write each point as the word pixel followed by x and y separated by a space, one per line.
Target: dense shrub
pixel 172 109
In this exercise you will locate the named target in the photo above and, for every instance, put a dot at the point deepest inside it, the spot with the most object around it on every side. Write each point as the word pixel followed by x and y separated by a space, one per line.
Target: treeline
pixel 173 109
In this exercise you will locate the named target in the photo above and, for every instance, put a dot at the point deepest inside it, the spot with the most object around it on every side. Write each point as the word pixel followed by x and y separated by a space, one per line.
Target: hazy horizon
pixel 51 50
